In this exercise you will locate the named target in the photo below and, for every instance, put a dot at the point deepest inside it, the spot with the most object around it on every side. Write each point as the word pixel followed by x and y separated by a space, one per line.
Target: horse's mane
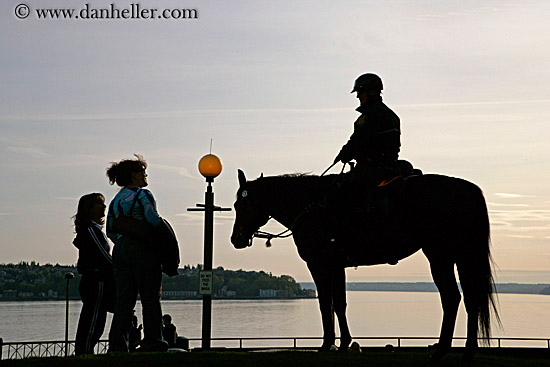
pixel 294 185
pixel 296 175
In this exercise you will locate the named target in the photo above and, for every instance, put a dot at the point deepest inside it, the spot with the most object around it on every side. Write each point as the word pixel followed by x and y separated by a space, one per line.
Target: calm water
pixel 369 314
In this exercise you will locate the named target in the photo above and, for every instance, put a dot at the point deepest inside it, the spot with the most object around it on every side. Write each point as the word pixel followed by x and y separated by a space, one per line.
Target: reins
pixel 332 165
pixel 288 232
pixel 262 234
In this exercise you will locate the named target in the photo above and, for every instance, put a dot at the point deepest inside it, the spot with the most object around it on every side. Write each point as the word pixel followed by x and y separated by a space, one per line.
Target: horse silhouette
pixel 446 217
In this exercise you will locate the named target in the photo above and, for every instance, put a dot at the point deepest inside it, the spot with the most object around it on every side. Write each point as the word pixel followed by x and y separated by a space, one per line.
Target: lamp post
pixel 210 167
pixel 68 276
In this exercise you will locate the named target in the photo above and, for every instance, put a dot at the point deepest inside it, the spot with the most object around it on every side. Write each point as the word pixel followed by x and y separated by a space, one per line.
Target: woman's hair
pixel 83 216
pixel 121 172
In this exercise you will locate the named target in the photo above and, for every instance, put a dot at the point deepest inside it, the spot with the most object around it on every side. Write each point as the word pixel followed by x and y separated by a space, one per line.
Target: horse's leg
pixel 323 282
pixel 340 305
pixel 445 281
pixel 472 303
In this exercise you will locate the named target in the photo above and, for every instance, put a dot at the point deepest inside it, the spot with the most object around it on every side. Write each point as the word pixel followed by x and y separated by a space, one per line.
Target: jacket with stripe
pixel 94 256
pixel 144 209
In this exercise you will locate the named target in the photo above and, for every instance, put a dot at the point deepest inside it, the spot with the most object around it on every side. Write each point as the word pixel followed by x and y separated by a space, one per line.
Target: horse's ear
pixel 242 178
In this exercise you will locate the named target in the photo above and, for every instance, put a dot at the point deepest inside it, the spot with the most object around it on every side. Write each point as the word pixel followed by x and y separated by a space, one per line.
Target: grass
pixel 371 357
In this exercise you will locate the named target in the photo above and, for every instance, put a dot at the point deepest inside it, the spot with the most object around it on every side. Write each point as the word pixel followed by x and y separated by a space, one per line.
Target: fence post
pixel 1 348
pixel 68 276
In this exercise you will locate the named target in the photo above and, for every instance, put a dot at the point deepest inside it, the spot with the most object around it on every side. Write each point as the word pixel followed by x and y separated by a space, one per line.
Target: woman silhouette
pixel 137 266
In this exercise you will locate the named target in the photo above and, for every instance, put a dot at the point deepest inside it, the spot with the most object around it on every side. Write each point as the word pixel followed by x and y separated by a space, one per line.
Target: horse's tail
pixel 482 272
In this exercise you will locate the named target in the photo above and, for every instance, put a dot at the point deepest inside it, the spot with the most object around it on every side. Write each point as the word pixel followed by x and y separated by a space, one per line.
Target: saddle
pixel 378 198
pixel 384 196
pixel 361 231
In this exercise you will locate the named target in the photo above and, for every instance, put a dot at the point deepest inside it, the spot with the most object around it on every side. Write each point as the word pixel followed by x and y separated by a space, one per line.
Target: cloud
pixel 528 223
pixel 196 219
pixel 524 215
pixel 511 196
pixel 191 217
pixel 159 115
pixel 182 171
pixel 508 205
pixel 22 147
pixel 470 103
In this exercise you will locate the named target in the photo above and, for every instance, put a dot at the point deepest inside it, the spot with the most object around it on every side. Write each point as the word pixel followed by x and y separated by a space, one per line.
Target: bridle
pixel 263 234
pixel 288 232
pixel 269 236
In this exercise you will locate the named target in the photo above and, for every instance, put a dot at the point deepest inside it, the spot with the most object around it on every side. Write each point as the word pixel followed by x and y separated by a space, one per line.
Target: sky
pixel 268 82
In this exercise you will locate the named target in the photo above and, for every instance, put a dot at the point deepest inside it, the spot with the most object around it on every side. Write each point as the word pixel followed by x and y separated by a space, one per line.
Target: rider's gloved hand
pixel 342 157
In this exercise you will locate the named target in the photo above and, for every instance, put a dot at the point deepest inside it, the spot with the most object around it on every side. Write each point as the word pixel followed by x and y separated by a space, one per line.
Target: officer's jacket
pixel 376 135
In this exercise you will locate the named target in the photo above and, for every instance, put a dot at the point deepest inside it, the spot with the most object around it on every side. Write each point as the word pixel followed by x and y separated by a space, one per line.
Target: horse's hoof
pixel 439 353
pixel 327 348
pixel 344 344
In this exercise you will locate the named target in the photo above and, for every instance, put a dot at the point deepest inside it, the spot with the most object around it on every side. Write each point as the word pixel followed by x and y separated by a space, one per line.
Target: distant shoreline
pixel 197 298
pixel 503 288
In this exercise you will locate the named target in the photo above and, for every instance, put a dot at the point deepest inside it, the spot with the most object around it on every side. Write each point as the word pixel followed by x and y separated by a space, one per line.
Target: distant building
pixel 282 293
pixel 272 293
pixel 268 293
pixel 231 294
pixel 9 293
pixel 52 293
pixel 178 294
pixel 224 292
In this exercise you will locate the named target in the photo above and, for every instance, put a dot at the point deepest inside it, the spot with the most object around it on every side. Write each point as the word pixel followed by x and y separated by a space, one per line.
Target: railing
pixel 19 350
pixel 373 341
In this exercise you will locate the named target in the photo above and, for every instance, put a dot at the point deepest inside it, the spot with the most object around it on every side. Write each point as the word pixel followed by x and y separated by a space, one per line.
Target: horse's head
pixel 250 215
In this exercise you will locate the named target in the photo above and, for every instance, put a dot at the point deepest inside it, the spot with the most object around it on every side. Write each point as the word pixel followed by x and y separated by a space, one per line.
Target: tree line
pixel 35 281
pixel 243 283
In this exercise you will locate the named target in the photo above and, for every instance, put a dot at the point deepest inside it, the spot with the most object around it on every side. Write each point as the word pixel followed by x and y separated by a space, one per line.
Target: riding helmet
pixel 367 81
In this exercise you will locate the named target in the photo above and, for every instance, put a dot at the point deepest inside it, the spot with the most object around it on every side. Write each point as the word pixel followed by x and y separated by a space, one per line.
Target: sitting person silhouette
pixel 376 138
pixel 171 336
pixel 169 330
pixel 134 336
pixel 374 145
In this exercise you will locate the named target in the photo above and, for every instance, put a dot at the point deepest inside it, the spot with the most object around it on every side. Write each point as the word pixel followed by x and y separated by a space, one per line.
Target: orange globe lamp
pixel 210 167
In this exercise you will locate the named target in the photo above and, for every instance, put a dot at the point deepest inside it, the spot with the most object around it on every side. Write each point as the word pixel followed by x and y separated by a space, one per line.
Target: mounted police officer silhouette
pixel 363 199
pixel 381 211
pixel 376 137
